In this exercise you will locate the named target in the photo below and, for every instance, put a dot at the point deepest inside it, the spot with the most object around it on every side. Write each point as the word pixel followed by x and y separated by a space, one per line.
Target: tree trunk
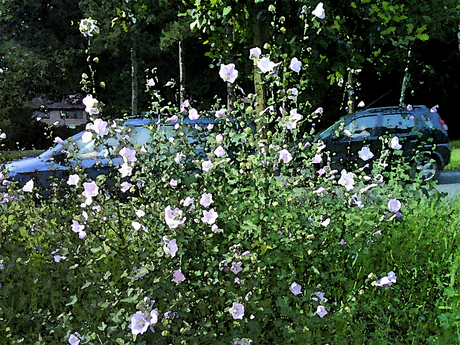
pixel 405 81
pixel 134 88
pixel 181 74
pixel 260 35
pixel 230 90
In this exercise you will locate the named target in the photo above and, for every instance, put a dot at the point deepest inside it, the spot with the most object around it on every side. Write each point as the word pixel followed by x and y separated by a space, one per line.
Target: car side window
pixel 361 127
pixel 140 135
pixel 396 123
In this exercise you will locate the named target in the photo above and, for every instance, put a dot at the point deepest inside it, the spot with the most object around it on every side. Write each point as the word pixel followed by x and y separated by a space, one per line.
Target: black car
pixel 418 131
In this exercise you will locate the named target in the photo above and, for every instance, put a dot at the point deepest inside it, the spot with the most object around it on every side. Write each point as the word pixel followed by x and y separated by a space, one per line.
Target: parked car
pixel 56 163
pixel 421 133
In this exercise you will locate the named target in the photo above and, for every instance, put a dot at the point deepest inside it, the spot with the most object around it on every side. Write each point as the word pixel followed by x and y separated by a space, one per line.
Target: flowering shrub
pixel 237 239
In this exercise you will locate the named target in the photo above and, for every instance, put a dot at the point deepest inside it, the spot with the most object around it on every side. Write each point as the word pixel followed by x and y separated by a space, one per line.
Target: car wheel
pixel 425 167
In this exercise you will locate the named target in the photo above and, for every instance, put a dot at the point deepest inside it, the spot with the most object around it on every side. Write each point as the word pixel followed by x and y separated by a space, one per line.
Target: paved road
pixel 449 182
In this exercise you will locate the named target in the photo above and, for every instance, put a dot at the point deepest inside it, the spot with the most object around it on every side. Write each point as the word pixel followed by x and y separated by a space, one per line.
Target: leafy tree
pixel 39 50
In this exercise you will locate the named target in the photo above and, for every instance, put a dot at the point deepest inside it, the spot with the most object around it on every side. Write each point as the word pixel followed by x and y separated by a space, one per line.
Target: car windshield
pixel 332 130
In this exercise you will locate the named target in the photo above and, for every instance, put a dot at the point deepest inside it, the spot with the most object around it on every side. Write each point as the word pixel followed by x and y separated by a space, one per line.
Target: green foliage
pixel 279 230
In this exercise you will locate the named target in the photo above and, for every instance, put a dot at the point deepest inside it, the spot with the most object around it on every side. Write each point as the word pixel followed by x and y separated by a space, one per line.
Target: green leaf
pixel 226 11
pixel 423 37
pixel 73 300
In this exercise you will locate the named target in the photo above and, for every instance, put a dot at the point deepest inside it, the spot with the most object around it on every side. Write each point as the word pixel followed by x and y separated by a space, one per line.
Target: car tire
pixel 427 168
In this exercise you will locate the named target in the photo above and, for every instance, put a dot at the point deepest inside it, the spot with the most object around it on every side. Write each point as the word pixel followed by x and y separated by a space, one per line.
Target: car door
pixel 401 125
pixel 362 132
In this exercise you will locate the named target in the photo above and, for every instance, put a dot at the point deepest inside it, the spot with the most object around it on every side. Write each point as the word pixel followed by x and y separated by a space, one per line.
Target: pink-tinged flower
pixel 265 65
pixel 254 53
pixel 139 323
pixel 292 94
pixel 173 183
pixel 140 213
pixel 321 311
pixel 184 106
pixel 206 166
pixel 178 158
pixel 326 222
pixel 151 82
pixel 91 105
pixel 236 267
pixel 220 113
pixel 237 311
pixel 320 295
pixel 216 229
pixel 91 189
pixel 125 186
pixel 178 277
pixel 78 228
pixel 365 154
pixel 138 226
pixel 394 205
pixel 170 246
pixel 346 180
pixel 285 156
pixel 219 138
pixel 73 180
pixel 174 218
pixel 74 339
pixel 210 126
pixel 320 190
pixel 58 140
pixel 87 137
pixel 220 152
pixel 188 201
pixel 29 186
pixel 389 280
pixel 317 159
pixel 58 258
pixel 294 117
pixel 128 154
pixel 342 242
pixel 434 109
pixel 319 11
pixel 228 73
pixel 409 108
pixel 395 144
pixel 125 170
pixel 319 110
pixel 209 217
pixel 99 127
pixel 296 289
pixel 193 114
pixel 361 104
pixel 173 119
pixel 206 199
pixel 295 65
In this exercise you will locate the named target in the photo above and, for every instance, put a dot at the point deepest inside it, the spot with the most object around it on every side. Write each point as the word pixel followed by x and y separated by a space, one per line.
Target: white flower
pixel 319 11
pixel 285 156
pixel 365 154
pixel 295 65
pixel 395 145
pixel 346 180
pixel 265 65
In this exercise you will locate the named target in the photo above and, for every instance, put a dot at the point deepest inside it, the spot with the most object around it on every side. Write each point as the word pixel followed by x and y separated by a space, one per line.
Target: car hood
pixel 28 165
